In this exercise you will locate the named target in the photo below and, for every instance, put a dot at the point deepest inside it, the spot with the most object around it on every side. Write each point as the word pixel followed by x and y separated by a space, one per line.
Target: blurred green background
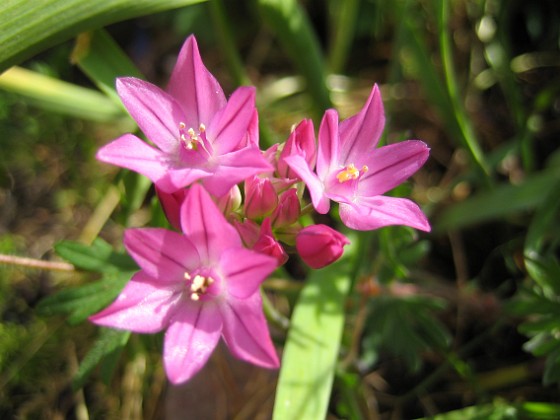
pixel 465 316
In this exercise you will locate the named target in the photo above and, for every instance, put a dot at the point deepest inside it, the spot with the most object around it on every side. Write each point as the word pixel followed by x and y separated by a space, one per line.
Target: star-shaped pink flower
pixel 198 286
pixel 199 135
pixel 354 172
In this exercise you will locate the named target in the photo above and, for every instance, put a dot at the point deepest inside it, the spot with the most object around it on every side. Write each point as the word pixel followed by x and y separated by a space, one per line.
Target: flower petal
pixel 144 306
pixel 206 227
pixel 246 331
pixel 196 90
pixel 130 152
pixel 157 113
pixel 316 188
pixel 329 142
pixel 192 335
pixel 360 134
pixel 375 212
pixel 234 167
pixel 244 271
pixel 231 124
pixel 389 166
pixel 162 254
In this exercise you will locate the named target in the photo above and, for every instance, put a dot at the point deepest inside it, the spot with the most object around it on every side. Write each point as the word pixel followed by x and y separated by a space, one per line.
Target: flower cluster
pixel 236 208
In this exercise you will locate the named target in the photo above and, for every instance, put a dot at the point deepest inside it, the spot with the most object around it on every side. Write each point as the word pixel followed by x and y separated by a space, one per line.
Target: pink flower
pixel 353 172
pixel 302 143
pixel 197 286
pixel 199 135
pixel 320 245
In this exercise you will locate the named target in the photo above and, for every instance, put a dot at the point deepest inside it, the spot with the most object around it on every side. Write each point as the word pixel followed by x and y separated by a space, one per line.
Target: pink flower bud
pixel 230 202
pixel 301 142
pixel 267 244
pixel 260 197
pixel 171 203
pixel 320 245
pixel 288 210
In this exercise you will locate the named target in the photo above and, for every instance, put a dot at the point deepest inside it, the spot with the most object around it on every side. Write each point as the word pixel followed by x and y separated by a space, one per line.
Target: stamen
pixel 201 128
pixel 199 286
pixel 351 172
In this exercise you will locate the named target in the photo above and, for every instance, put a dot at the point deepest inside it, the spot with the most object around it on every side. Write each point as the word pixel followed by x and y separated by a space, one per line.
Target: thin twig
pixel 35 263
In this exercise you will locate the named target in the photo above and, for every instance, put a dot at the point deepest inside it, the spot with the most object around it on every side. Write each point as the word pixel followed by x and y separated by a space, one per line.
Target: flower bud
pixel 229 202
pixel 288 210
pixel 260 197
pixel 320 245
pixel 267 244
pixel 301 142
pixel 171 204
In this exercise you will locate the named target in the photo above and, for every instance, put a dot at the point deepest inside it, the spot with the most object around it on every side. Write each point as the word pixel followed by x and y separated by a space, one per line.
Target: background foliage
pixel 460 323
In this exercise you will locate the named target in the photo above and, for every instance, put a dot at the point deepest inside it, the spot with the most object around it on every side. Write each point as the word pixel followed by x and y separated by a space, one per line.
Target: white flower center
pixel 199 285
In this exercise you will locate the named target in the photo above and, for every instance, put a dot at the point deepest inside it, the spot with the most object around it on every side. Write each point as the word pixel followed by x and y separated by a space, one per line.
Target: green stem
pixel 343 23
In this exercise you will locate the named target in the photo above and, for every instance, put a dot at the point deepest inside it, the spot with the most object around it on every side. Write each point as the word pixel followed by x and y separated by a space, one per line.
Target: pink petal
pixel 171 205
pixel 130 152
pixel 234 167
pixel 157 114
pixel 206 227
pixel 316 188
pixel 162 254
pixel 246 331
pixel 329 143
pixel 301 142
pixel 389 166
pixel 244 271
pixel 231 124
pixel 144 306
pixel 193 334
pixel 375 212
pixel 360 134
pixel 178 178
pixel 194 87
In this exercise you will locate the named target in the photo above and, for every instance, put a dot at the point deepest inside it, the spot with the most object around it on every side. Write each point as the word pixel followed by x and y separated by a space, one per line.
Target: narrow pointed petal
pixel 360 133
pixel 162 254
pixel 198 92
pixel 130 152
pixel 234 167
pixel 204 225
pixel 156 112
pixel 230 125
pixel 178 178
pixel 301 142
pixel 316 188
pixel 245 270
pixel 375 212
pixel 246 331
pixel 193 334
pixel 328 153
pixel 144 306
pixel 389 166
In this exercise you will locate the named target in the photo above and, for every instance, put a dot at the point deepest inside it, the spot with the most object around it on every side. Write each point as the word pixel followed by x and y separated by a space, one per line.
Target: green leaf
pixel 107 347
pixel 58 96
pixel 29 27
pixel 502 201
pixel 78 303
pixel 310 355
pixel 98 257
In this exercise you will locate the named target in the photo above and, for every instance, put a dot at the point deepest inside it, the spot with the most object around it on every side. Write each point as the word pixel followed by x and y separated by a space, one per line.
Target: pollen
pixel 350 173
pixel 199 285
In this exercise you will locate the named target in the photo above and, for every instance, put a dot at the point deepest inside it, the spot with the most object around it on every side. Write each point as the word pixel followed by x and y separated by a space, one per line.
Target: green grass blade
pixel 468 136
pixel 28 27
pixel 102 60
pixel 504 200
pixel 58 96
pixel 310 355
pixel 290 24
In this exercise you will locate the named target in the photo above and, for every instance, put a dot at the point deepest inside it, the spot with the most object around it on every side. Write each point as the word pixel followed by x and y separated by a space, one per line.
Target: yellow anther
pixel 187 276
pixel 351 172
pixel 201 128
pixel 195 296
pixel 182 126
